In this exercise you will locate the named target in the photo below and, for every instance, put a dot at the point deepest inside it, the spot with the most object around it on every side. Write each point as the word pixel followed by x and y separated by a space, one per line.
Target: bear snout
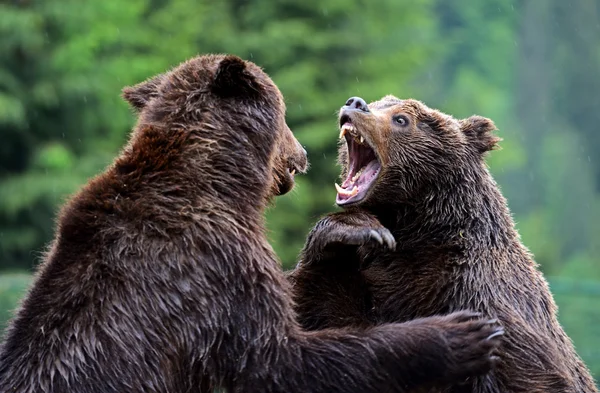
pixel 356 103
pixel 299 160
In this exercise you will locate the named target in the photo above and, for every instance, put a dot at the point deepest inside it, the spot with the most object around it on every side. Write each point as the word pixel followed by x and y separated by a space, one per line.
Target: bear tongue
pixel 367 173
pixel 353 183
pixel 352 178
pixel 359 157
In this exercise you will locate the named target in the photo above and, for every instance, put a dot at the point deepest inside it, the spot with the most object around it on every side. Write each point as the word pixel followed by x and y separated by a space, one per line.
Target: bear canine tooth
pixel 345 129
pixel 362 139
pixel 340 190
pixel 347 193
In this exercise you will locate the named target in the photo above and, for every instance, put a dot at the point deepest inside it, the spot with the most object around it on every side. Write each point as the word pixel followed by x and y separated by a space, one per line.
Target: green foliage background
pixel 532 66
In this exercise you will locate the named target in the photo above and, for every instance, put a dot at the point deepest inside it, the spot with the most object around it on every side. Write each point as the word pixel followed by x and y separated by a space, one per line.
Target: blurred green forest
pixel 532 66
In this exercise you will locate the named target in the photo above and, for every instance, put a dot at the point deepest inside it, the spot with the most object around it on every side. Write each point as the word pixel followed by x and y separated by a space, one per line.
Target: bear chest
pixel 402 287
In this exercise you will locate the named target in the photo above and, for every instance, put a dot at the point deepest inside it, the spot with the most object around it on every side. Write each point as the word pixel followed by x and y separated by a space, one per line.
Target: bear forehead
pixel 414 108
pixel 385 102
pixel 409 106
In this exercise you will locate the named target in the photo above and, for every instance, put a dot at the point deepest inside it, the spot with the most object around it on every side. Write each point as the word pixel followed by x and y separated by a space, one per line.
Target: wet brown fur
pixel 456 248
pixel 160 278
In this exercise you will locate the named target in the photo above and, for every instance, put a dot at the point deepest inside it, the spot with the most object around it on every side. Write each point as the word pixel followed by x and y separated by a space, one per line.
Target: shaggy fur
pixel 456 248
pixel 160 278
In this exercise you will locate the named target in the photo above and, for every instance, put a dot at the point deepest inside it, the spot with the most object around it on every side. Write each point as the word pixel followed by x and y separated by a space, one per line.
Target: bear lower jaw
pixel 356 186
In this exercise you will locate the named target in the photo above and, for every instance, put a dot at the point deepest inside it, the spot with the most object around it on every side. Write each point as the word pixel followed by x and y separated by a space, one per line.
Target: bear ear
pixel 480 132
pixel 139 95
pixel 232 79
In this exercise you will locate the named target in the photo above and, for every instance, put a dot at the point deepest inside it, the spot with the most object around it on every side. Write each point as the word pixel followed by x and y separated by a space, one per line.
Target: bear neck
pixel 180 171
pixel 456 214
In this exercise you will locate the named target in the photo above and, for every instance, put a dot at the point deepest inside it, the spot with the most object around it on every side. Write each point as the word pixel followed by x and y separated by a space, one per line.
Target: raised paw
pixel 363 236
pixel 340 232
pixel 472 342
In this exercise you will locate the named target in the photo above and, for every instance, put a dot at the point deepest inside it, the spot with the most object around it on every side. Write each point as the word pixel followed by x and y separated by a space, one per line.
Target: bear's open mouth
pixel 363 165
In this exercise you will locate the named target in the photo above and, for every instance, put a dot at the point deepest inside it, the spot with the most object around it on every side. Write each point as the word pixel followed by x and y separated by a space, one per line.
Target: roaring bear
pixel 160 277
pixel 424 231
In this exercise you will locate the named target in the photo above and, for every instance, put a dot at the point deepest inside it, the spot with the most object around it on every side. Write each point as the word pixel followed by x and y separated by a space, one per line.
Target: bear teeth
pixel 359 139
pixel 357 175
pixel 346 193
pixel 346 128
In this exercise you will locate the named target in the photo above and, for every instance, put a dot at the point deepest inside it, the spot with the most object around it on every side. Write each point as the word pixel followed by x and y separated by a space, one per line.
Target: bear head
pixel 393 150
pixel 230 112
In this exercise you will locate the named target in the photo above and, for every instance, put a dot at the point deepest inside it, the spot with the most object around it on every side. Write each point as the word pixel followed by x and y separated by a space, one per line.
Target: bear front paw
pixel 370 236
pixel 354 229
pixel 472 344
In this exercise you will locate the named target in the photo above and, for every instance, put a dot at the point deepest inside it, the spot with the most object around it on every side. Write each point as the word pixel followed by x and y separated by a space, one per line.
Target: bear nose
pixel 356 103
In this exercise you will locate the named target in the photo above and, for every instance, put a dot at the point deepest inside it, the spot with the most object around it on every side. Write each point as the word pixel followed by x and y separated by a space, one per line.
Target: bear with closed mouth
pixel 425 230
pixel 160 277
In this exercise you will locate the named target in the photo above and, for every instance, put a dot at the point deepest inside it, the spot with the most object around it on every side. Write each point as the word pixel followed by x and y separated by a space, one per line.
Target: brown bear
pixel 414 180
pixel 160 278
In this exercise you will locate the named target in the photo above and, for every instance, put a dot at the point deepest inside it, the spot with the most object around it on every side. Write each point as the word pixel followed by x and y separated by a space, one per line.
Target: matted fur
pixel 456 248
pixel 160 277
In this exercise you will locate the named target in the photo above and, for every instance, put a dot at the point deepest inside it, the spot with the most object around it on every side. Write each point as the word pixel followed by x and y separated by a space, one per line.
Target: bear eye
pixel 401 120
